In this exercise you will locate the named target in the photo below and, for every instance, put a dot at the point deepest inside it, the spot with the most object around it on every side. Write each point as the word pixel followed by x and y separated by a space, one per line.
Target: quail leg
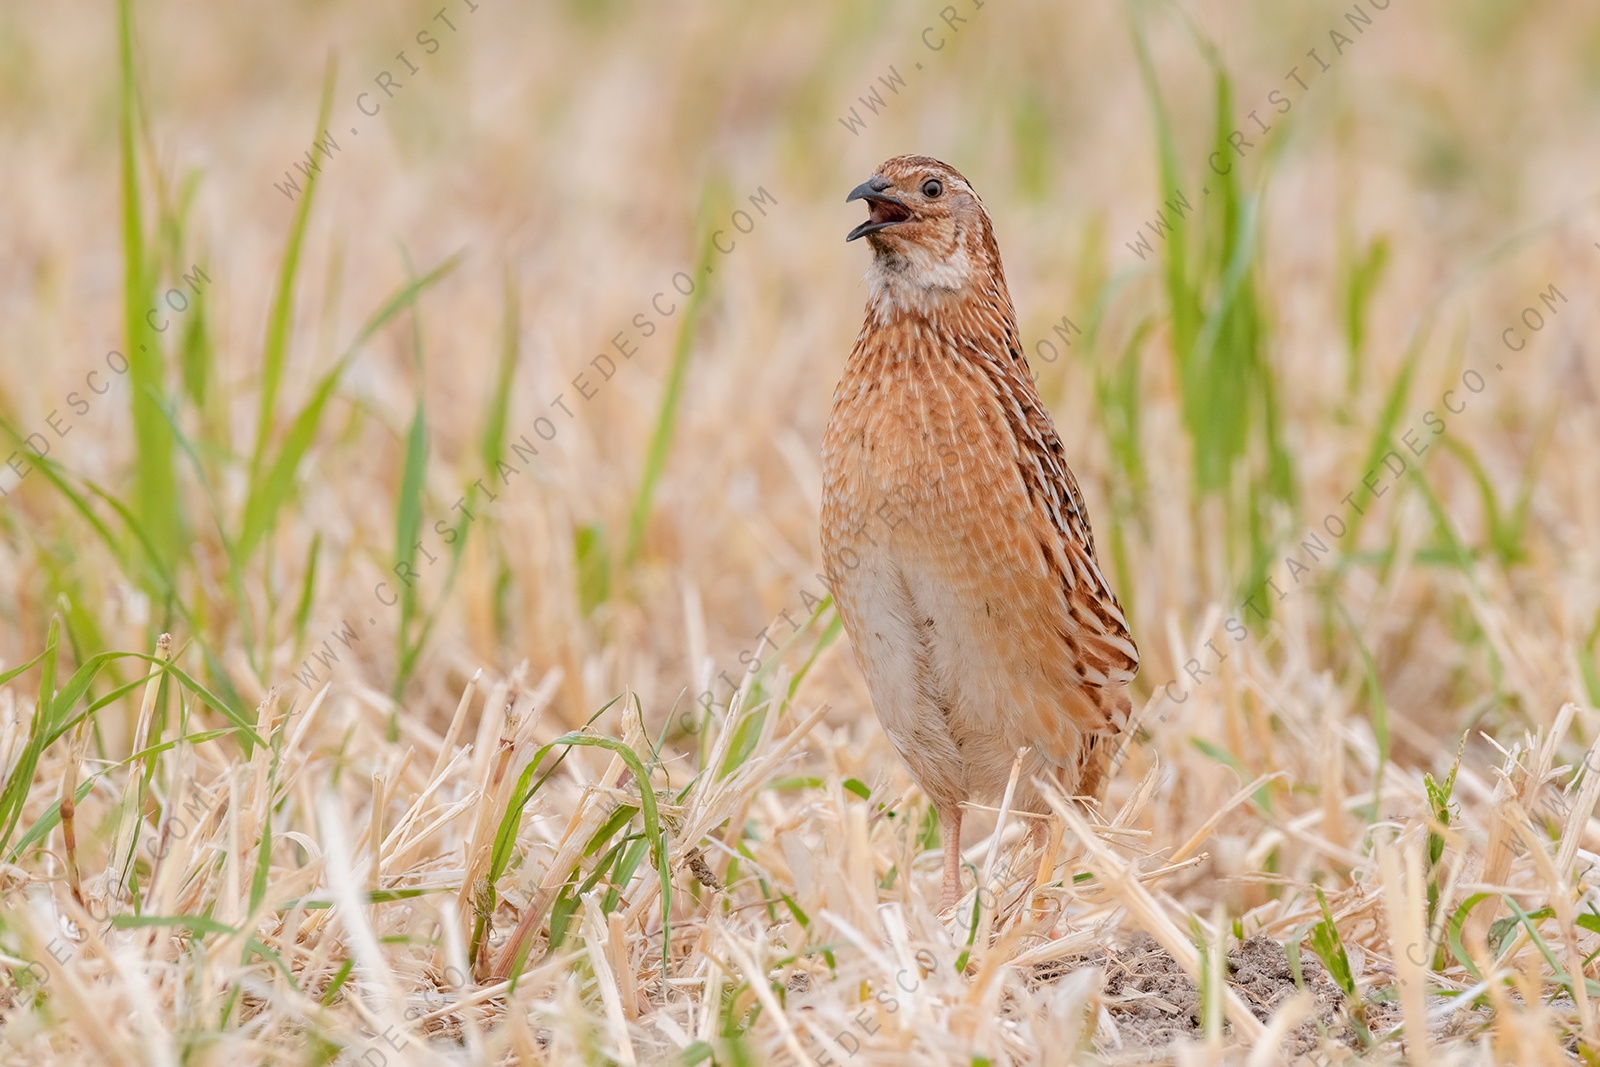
pixel 950 832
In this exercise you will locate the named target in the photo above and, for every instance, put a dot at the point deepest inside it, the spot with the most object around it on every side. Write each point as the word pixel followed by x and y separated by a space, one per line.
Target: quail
pixel 956 541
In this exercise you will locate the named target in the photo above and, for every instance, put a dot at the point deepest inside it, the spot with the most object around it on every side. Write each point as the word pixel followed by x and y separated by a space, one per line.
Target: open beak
pixel 883 210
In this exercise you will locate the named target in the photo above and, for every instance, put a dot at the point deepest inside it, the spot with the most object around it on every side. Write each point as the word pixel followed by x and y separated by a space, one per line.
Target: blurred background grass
pixel 265 464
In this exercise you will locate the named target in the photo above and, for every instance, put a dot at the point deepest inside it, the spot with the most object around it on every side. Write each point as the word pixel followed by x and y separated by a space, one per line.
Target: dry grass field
pixel 414 646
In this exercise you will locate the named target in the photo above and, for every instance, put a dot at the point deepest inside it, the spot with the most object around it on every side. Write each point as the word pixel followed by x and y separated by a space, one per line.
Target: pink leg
pixel 950 832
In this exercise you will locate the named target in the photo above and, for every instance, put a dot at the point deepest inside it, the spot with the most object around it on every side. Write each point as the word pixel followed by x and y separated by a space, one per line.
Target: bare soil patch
pixel 1153 1002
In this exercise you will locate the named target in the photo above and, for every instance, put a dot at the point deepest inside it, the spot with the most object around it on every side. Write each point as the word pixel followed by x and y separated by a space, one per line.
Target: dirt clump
pixel 1153 1002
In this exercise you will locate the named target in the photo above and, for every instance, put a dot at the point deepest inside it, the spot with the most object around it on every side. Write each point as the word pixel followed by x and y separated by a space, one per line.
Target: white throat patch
pixel 917 280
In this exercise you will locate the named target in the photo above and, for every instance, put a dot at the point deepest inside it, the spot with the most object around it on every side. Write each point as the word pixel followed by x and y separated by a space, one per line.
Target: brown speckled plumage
pixel 956 540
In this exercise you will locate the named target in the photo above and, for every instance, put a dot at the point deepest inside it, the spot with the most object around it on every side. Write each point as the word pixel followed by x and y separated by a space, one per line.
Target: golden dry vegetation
pixel 469 459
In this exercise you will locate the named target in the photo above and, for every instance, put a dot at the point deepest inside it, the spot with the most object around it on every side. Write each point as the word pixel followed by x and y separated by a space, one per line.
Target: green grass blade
pixel 652 823
pixel 6 676
pixel 268 496
pixel 402 298
pixel 308 588
pixel 280 318
pixel 493 442
pixel 52 472
pixel 258 881
pixel 526 790
pixel 1383 432
pixel 167 667
pixel 155 473
pixel 667 418
pixel 1590 663
pixel 594 566
pixel 408 523
pixel 15 793
pixel 1184 305
pixel 1360 284
pixel 51 817
pixel 1379 707
pixel 1329 947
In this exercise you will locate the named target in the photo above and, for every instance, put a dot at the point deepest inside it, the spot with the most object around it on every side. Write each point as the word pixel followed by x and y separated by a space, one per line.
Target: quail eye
pixel 932 188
